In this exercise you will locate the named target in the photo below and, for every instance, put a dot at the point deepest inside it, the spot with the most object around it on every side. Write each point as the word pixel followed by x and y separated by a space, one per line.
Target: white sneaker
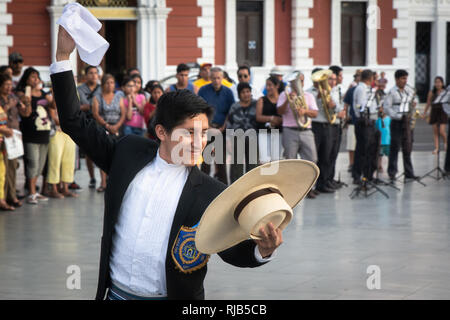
pixel 40 197
pixel 32 199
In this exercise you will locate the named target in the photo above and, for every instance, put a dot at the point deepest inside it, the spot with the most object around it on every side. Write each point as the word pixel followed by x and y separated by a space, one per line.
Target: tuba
pixel 299 102
pixel 321 77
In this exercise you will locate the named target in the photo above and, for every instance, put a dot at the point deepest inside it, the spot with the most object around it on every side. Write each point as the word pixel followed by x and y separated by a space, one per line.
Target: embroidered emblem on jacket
pixel 184 253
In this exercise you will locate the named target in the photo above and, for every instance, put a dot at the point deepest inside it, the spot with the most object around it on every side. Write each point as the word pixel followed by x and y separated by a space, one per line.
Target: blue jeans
pixel 133 130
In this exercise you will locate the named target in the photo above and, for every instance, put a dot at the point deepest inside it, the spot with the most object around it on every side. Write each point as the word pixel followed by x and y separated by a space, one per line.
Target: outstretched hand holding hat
pixel 258 206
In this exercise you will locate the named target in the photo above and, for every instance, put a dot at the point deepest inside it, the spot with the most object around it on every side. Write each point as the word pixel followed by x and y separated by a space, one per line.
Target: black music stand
pixel 440 174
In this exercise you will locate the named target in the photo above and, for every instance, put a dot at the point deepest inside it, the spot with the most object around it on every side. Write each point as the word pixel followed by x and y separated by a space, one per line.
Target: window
pixel 353 33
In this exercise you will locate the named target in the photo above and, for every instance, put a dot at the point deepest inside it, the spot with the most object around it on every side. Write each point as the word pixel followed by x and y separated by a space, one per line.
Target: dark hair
pixel 130 70
pixel 274 80
pixel 175 107
pixel 4 78
pixel 316 69
pixel 106 77
pixel 86 70
pixel 150 84
pixel 400 73
pixel 241 86
pixel 126 80
pixel 434 87
pixel 367 74
pixel 157 86
pixel 182 67
pixel 23 80
pixel 244 67
pixel 134 77
pixel 336 70
pixel 3 69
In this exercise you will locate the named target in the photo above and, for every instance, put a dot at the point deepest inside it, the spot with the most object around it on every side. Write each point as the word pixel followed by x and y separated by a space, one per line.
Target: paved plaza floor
pixel 330 250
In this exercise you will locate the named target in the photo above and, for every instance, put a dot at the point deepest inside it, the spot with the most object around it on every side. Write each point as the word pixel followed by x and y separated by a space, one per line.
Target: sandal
pixel 6 207
pixel 101 189
pixel 16 203
pixel 70 194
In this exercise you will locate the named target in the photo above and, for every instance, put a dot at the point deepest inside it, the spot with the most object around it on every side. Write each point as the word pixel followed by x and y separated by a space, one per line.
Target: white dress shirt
pixel 364 100
pixel 139 246
pixel 397 102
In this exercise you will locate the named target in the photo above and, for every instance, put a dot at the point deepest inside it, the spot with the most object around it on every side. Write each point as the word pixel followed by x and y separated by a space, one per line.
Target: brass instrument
pixel 321 77
pixel 299 102
pixel 414 113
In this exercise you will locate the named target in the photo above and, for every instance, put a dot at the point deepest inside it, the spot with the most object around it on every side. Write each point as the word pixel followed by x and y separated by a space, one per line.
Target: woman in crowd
pixel 14 110
pixel 242 116
pixel 267 119
pixel 438 117
pixel 134 105
pixel 138 89
pixel 61 160
pixel 109 111
pixel 35 129
pixel 150 108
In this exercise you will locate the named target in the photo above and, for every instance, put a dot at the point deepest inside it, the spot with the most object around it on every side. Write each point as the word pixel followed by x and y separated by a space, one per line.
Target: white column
pixel 406 32
pixel 230 35
pixel 336 33
pixel 159 26
pixel 206 22
pixel 269 34
pixel 5 40
pixel 371 27
pixel 438 49
pixel 55 11
pixel 301 42
pixel 144 57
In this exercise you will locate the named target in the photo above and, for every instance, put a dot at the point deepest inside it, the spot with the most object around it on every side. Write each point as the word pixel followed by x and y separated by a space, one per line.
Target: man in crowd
pixel 16 64
pixel 399 105
pixel 205 77
pixel 322 136
pixel 221 98
pixel 335 82
pixel 243 74
pixel 367 136
pixel 183 80
pixel 87 91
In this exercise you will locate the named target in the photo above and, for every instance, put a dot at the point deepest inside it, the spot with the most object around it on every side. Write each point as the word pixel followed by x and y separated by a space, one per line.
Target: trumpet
pixel 321 77
pixel 299 102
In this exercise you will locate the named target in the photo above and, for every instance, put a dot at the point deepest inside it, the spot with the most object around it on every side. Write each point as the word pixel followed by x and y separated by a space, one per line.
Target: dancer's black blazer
pixel 122 159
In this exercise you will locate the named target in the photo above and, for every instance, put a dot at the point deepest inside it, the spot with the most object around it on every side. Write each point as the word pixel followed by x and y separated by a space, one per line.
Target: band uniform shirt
pixel 288 116
pixel 397 102
pixel 321 116
pixel 364 99
pixel 139 246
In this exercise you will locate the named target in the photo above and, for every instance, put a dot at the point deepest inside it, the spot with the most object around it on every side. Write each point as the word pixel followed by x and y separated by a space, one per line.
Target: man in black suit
pixel 155 194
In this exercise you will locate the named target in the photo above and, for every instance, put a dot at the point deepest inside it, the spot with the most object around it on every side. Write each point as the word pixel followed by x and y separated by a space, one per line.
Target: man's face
pixel 16 67
pixel 216 79
pixel 246 95
pixel 186 142
pixel 332 80
pixel 183 78
pixel 92 76
pixel 204 72
pixel 243 76
pixel 401 82
pixel 340 77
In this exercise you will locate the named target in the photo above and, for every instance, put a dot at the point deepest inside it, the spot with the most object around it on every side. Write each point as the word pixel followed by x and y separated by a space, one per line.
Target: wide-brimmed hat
pixel 265 194
pixel 276 71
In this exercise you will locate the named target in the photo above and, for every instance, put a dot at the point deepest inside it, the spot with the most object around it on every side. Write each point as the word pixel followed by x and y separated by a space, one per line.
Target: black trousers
pixel 399 139
pixel 367 149
pixel 243 160
pixel 447 155
pixel 221 168
pixel 322 137
pixel 336 135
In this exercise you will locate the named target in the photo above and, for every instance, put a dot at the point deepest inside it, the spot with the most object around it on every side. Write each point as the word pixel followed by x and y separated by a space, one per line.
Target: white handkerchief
pixel 83 28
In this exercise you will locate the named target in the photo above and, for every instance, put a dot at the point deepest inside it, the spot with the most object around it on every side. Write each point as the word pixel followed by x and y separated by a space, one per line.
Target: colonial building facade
pixel 156 35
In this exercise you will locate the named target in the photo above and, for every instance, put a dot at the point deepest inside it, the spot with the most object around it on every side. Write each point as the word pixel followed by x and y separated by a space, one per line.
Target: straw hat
pixel 265 194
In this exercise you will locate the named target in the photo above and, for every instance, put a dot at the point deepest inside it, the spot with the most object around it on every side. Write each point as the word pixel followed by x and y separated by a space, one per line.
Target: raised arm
pixel 84 131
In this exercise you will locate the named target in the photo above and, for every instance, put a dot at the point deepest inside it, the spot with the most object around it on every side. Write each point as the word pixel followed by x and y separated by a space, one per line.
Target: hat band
pixel 252 196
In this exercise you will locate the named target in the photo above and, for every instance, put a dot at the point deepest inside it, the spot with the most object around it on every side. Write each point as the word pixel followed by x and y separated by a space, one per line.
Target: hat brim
pixel 218 230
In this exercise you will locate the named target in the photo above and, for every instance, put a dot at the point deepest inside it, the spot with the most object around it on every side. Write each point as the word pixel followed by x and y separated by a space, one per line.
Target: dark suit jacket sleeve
pixel 85 131
pixel 241 255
